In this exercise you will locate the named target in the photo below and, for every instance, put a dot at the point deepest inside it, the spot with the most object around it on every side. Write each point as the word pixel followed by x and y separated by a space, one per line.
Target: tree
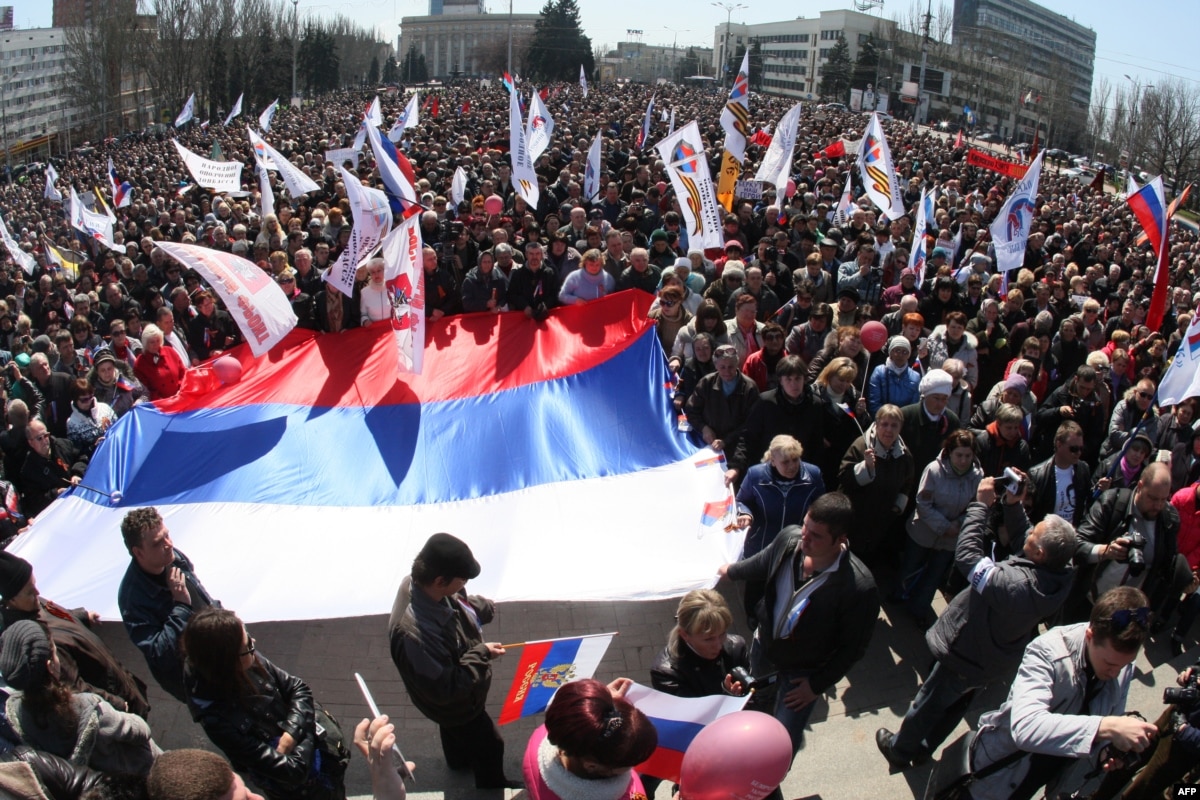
pixel 318 62
pixel 837 73
pixel 391 72
pixel 866 66
pixel 413 68
pixel 559 45
pixel 688 65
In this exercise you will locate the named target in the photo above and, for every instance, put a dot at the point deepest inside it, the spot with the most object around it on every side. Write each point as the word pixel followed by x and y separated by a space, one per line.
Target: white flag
pixel 96 226
pixel 1182 379
pixel 683 153
pixel 735 118
pixel 294 178
pixel 540 128
pixel 524 178
pixel 264 186
pixel 264 119
pixel 458 187
pixel 373 114
pixel 408 118
pixel 591 174
pixel 261 310
pixel 583 80
pixel 404 270
pixel 27 261
pixel 776 166
pixel 51 192
pixel 372 219
pixel 236 112
pixel 878 174
pixel 841 214
pixel 672 128
pixel 188 112
pixel 1010 230
pixel 221 176
pixel 917 256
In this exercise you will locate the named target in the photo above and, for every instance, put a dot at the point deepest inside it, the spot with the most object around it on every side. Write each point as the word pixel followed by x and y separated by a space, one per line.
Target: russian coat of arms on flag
pixel 547 665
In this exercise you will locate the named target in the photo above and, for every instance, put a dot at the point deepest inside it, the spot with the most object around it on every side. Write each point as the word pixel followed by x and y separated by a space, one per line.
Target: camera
pixel 1187 696
pixel 749 682
pixel 1136 544
pixel 1010 480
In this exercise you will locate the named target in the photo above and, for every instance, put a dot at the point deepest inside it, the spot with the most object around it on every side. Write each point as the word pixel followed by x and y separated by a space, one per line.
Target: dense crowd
pixel 885 429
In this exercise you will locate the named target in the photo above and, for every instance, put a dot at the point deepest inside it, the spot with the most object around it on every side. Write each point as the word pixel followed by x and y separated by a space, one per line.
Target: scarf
pixel 1130 473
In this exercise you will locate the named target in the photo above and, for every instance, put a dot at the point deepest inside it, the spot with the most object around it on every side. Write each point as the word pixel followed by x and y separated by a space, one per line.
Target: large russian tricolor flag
pixel 549 447
pixel 677 721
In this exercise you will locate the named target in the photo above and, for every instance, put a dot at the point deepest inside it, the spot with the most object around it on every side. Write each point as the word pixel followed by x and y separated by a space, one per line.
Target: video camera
pixel 749 682
pixel 1185 697
pixel 1136 560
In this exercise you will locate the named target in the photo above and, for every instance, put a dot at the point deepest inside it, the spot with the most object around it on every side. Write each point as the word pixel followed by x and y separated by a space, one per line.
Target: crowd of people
pixel 1000 443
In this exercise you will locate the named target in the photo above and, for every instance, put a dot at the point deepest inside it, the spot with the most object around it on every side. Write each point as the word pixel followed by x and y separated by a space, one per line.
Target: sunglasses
pixel 1075 449
pixel 668 303
pixel 1123 617
pixel 1145 395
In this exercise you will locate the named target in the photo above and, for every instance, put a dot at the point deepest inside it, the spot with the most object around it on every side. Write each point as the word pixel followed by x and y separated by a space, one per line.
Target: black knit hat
pixel 24 651
pixel 14 574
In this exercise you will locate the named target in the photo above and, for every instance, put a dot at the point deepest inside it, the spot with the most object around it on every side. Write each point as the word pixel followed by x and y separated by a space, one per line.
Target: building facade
pixel 34 107
pixel 795 51
pixel 647 63
pixel 465 45
pixel 74 13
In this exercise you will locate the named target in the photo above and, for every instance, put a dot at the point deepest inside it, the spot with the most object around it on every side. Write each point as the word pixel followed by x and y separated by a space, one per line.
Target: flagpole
pixel 560 639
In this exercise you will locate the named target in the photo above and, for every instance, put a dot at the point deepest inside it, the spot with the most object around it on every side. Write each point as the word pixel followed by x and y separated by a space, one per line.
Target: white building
pixel 646 63
pixel 461 44
pixel 34 106
pixel 794 51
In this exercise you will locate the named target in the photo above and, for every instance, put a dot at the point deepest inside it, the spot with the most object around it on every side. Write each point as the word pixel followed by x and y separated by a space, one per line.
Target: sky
pixel 1150 40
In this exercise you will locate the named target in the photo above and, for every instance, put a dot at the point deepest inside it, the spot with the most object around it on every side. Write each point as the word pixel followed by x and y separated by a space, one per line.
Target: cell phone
pixel 405 772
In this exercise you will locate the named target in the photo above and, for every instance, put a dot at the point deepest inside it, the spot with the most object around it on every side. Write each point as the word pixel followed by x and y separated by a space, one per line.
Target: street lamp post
pixel 729 9
pixel 1133 110
pixel 295 45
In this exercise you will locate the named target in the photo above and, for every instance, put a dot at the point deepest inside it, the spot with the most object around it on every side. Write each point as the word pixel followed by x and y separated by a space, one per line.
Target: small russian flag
pixel 677 720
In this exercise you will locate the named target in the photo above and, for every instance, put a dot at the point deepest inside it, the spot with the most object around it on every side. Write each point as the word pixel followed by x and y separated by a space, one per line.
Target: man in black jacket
pixel 789 409
pixel 1129 539
pixel 1075 401
pixel 1062 484
pixel 436 635
pixel 981 636
pixel 818 612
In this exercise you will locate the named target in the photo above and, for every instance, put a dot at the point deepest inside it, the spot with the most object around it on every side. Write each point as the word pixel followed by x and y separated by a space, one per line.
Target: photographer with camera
pixel 1177 751
pixel 983 633
pixel 1130 539
pixel 1075 401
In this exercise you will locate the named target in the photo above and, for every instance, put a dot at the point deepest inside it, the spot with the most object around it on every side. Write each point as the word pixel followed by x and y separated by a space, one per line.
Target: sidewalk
pixel 839 762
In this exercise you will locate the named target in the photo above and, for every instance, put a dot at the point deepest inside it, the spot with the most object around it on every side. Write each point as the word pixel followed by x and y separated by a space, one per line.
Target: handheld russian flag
pixel 677 720
pixel 644 136
pixel 548 664
pixel 120 191
pixel 1149 205
pixel 507 82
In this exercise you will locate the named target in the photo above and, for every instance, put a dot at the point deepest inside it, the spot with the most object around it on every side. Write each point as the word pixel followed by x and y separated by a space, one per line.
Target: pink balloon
pixel 493 205
pixel 874 336
pixel 228 370
pixel 745 755
pixel 791 188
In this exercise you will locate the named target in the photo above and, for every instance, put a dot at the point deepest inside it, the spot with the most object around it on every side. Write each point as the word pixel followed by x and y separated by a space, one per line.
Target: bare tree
pixel 1169 127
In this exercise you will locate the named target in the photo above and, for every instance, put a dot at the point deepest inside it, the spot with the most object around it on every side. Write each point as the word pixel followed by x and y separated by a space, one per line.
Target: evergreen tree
pixel 836 75
pixel 373 72
pixel 413 68
pixel 391 72
pixel 559 45
pixel 687 66
pixel 756 67
pixel 866 66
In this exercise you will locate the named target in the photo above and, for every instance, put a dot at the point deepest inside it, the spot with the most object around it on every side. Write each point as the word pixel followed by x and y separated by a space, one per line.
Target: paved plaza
pixel 839 761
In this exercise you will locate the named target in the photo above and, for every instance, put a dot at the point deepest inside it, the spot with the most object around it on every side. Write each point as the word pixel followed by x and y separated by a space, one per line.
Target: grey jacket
pixel 104 739
pixel 942 500
pixel 1044 711
pixel 984 630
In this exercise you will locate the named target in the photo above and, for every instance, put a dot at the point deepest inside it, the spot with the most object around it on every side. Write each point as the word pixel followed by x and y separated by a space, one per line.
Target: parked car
pixel 993 138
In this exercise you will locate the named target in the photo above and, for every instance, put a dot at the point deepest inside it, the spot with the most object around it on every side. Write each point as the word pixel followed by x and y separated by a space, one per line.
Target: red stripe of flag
pixel 527 667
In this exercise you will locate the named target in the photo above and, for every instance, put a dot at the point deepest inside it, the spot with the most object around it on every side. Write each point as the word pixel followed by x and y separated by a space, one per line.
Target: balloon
pixel 228 369
pixel 790 189
pixel 874 336
pixel 493 205
pixel 745 755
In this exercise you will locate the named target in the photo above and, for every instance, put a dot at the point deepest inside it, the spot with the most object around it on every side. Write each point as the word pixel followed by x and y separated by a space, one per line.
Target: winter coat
pixel 889 386
pixel 478 289
pixel 1109 518
pixel 104 739
pixel 725 414
pixel 1042 478
pixel 1125 420
pixel 774 414
pixel 689 675
pixel 775 503
pixel 923 436
pixel 939 351
pixel 682 350
pixel 880 497
pixel 1043 712
pixel 942 498
pixel 984 631
pixel 995 454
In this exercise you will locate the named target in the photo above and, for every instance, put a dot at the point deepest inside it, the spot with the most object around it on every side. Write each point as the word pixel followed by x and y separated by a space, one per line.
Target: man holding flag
pixel 436 635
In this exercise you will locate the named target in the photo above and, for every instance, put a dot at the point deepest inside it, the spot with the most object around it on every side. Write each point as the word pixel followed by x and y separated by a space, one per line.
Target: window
pixel 829 36
pixel 824 52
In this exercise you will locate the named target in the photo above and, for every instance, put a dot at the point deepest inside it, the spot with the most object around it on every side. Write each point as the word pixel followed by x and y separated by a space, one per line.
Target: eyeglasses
pixel 250 650
pixel 1075 449
pixel 41 437
pixel 668 303
pixel 287 280
pixel 1122 617
pixel 1145 395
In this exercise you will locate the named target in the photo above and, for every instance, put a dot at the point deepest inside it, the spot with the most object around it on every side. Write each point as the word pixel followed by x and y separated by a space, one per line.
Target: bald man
pixel 1129 539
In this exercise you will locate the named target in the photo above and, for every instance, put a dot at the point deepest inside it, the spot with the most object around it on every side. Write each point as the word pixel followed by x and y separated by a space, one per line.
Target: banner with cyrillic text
pixel 220 176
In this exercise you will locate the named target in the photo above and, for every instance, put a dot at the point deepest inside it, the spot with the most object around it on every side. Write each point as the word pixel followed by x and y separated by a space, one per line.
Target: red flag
pixel 1033 149
pixel 466 107
pixel 433 111
pixel 835 150
pixel 761 138
pixel 958 140
pixel 1158 302
pixel 428 100
pixel 544 93
pixel 1097 184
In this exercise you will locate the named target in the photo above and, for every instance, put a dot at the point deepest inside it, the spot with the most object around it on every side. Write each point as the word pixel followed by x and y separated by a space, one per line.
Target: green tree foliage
pixel 866 66
pixel 413 69
pixel 318 61
pixel 559 45
pixel 373 72
pixel 686 66
pixel 391 70
pixel 837 73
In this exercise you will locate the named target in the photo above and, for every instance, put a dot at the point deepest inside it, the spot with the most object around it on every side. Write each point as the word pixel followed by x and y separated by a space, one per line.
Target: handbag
pixel 960 787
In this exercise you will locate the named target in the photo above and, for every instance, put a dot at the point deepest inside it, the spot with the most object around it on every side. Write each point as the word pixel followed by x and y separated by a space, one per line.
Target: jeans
pixel 920 576
pixel 935 712
pixel 794 721
pixel 476 744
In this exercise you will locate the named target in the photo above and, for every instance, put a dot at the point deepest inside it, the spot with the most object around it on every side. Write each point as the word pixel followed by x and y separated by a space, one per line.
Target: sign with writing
pixel 749 190
pixel 978 158
pixel 340 156
pixel 221 176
